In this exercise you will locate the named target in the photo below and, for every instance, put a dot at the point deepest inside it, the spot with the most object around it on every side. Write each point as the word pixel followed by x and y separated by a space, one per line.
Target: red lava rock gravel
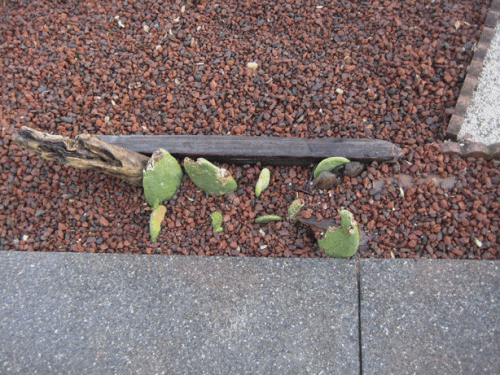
pixel 374 69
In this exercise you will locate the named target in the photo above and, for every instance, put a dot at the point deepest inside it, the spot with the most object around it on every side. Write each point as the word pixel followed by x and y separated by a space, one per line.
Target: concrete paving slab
pixel 63 313
pixel 430 317
pixel 482 118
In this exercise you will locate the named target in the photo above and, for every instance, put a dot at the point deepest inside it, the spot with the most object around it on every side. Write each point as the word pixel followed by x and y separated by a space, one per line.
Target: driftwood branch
pixel 85 152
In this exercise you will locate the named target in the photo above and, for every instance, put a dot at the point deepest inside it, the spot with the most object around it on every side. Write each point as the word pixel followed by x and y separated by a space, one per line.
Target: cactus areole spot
pixel 210 178
pixel 161 178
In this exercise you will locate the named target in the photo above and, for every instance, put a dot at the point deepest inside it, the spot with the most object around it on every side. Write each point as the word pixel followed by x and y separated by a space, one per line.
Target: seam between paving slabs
pixel 360 343
pixel 473 149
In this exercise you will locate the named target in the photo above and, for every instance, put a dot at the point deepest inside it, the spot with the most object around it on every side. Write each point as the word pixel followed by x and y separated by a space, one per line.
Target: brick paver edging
pixel 473 149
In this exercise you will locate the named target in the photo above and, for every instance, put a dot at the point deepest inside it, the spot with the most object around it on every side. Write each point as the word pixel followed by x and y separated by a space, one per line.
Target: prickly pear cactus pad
pixel 161 178
pixel 210 178
pixel 329 164
pixel 262 182
pixel 295 208
pixel 343 242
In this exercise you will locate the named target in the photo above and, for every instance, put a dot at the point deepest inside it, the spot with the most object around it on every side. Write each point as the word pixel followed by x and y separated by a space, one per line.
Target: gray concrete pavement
pixel 63 313
pixel 430 317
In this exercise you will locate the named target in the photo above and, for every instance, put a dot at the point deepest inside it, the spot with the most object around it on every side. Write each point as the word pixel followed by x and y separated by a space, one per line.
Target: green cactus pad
pixel 262 182
pixel 210 178
pixel 295 208
pixel 342 242
pixel 267 219
pixel 155 220
pixel 161 178
pixel 328 165
pixel 217 222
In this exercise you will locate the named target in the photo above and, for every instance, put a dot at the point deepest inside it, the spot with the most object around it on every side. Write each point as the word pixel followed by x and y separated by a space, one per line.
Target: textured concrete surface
pixel 482 120
pixel 63 313
pixel 430 317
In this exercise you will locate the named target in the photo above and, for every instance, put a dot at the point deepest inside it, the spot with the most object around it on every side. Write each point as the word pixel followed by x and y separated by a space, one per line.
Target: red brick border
pixel 473 149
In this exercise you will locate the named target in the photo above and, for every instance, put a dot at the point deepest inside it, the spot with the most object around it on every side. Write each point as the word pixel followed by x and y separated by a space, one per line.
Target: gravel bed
pixel 380 70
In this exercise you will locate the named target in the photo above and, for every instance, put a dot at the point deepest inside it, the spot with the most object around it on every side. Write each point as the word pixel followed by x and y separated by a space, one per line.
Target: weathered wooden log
pixel 267 150
pixel 122 156
pixel 85 152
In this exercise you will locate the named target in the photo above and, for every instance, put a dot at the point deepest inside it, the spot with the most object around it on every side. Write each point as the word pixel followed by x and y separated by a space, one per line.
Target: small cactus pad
pixel 210 178
pixel 267 219
pixel 295 208
pixel 342 242
pixel 217 222
pixel 262 182
pixel 155 220
pixel 328 165
pixel 161 178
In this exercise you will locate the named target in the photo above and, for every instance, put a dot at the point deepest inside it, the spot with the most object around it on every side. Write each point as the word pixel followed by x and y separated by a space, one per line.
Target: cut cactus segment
pixel 210 178
pixel 216 219
pixel 161 178
pixel 328 165
pixel 217 222
pixel 342 242
pixel 262 182
pixel 295 208
pixel 157 216
pixel 267 219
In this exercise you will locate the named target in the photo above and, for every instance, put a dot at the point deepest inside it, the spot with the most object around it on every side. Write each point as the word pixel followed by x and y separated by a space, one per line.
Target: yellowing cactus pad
pixel 157 216
pixel 328 165
pixel 262 182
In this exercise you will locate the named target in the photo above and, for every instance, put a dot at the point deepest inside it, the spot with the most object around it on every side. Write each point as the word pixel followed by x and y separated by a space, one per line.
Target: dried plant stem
pixel 84 152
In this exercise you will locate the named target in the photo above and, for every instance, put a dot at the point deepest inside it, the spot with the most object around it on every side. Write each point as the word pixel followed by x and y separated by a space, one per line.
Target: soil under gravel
pixel 360 69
